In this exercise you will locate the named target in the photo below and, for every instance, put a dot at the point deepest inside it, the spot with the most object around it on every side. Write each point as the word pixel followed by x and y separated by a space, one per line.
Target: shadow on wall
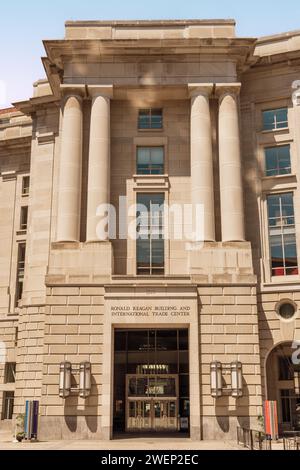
pixel 73 410
pixel 224 411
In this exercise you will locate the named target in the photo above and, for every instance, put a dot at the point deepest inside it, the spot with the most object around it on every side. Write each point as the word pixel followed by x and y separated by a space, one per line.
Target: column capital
pixel 195 89
pixel 101 90
pixel 222 89
pixel 73 90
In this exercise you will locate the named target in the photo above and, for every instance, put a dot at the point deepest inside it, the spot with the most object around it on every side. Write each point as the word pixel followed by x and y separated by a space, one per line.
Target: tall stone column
pixel 232 206
pixel 99 158
pixel 70 170
pixel 202 186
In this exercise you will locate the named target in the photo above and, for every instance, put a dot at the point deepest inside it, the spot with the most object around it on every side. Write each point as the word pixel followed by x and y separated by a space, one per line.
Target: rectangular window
pixel 24 218
pixel 275 119
pixel 150 119
pixel 278 160
pixel 150 160
pixel 282 235
pixel 25 185
pixel 10 373
pixel 20 271
pixel 150 234
pixel 8 405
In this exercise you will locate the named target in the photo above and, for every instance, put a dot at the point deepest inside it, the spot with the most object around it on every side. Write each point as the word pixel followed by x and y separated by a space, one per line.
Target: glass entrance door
pixel 139 415
pixel 165 415
pixel 152 415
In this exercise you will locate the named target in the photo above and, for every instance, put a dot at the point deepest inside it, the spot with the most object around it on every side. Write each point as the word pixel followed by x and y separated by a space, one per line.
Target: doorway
pixel 151 381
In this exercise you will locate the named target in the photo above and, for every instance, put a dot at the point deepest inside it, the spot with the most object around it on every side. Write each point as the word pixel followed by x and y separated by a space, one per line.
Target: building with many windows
pixel 139 123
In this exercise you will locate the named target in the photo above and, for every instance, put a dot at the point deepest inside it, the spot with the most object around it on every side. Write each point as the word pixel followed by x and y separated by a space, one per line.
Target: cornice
pixel 278 37
pixel 59 51
pixel 290 58
pixel 148 23
pixel 34 104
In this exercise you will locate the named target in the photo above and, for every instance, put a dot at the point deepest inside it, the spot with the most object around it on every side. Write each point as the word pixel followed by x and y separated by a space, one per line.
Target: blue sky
pixel 25 23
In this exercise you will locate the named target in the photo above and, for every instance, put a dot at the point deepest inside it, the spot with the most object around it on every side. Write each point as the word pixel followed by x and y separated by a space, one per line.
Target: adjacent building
pixel 174 336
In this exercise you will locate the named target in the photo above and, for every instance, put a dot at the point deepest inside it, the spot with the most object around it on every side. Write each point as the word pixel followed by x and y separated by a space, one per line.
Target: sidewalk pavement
pixel 122 444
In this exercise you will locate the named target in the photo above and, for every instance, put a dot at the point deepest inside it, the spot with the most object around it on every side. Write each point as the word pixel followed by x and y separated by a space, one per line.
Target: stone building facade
pixel 184 112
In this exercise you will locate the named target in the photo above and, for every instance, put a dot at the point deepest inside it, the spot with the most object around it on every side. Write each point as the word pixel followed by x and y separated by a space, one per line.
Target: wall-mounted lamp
pixel 216 379
pixel 235 369
pixel 65 379
pixel 85 379
pixel 237 379
pixel 65 374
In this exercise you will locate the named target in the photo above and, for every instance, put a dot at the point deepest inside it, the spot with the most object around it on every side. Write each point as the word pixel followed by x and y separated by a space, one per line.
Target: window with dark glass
pixel 278 160
pixel 20 271
pixel 8 405
pixel 275 119
pixel 150 234
pixel 285 368
pixel 153 385
pixel 24 218
pixel 150 118
pixel 285 396
pixel 10 373
pixel 25 185
pixel 282 235
pixel 150 160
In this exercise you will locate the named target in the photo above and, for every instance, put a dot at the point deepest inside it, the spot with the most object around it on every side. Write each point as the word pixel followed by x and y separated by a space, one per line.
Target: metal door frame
pixel 152 400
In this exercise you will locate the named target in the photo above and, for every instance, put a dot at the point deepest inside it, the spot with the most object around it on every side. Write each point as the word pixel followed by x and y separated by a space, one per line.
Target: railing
pixel 291 443
pixel 253 440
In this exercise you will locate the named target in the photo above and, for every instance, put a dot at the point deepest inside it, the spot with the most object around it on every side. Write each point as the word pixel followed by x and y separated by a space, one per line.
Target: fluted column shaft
pixel 99 158
pixel 202 187
pixel 231 188
pixel 70 170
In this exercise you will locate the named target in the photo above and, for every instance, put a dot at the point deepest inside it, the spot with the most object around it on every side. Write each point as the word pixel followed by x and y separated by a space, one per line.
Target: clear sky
pixel 25 23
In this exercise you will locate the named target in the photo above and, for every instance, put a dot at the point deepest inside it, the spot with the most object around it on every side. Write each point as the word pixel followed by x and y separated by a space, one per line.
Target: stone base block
pixel 77 262
pixel 57 428
pixel 225 427
pixel 222 262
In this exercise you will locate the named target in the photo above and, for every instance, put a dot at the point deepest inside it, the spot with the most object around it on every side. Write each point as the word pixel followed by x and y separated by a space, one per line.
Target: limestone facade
pixel 77 139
